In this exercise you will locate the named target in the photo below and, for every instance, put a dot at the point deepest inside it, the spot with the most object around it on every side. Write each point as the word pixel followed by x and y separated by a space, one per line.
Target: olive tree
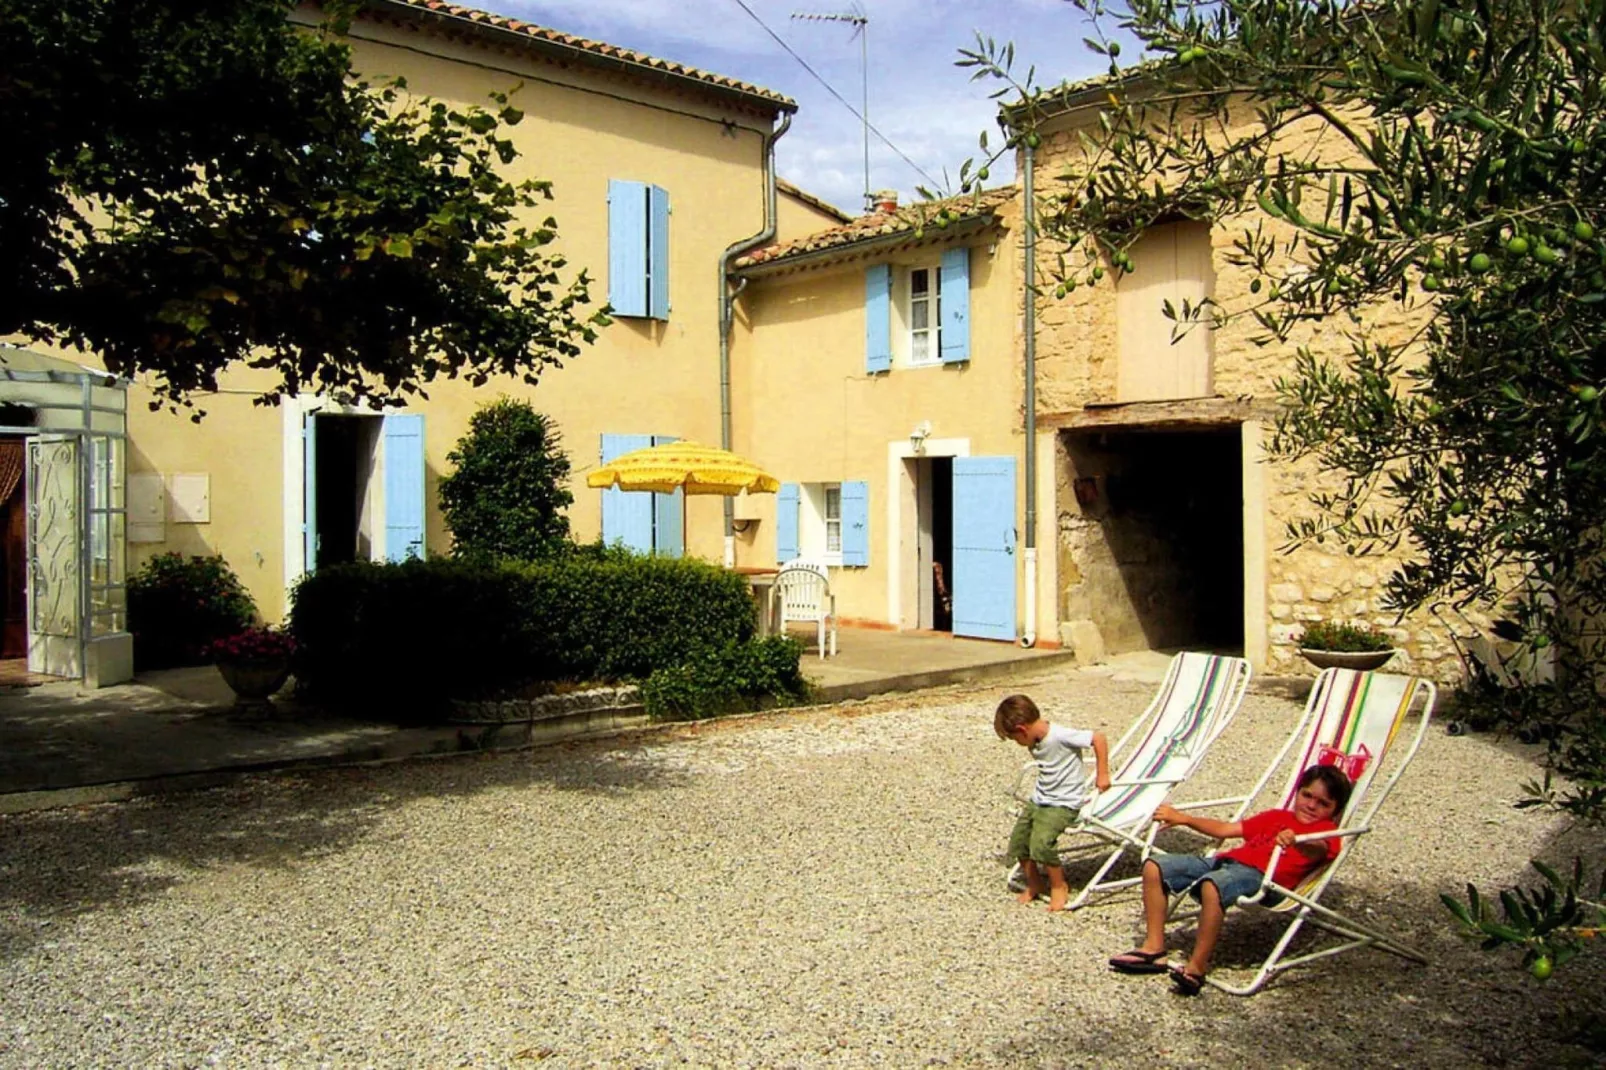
pixel 1453 163
pixel 193 186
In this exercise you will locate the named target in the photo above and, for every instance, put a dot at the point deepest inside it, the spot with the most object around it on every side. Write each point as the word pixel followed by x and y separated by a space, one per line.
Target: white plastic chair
pixel 804 594
pixel 1350 718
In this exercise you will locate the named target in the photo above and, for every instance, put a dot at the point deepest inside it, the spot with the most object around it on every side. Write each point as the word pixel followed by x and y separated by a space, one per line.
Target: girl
pixel 1320 796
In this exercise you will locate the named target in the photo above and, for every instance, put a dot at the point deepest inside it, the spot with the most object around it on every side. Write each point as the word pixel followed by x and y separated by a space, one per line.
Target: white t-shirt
pixel 1061 776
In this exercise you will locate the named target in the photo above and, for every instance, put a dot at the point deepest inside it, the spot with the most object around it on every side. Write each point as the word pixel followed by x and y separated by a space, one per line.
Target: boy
pixel 1320 796
pixel 1060 794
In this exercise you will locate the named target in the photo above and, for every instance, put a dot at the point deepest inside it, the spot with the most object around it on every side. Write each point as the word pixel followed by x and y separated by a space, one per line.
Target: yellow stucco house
pixel 660 173
pixel 963 450
pixel 1073 472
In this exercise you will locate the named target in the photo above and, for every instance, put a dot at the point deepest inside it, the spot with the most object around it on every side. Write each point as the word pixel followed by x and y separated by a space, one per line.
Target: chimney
pixel 886 201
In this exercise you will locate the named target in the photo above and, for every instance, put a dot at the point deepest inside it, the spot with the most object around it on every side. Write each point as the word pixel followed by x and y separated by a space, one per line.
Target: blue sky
pixel 923 103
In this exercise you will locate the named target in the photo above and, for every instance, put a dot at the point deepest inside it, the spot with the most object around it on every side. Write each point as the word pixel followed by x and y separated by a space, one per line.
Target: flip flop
pixel 1136 961
pixel 1184 983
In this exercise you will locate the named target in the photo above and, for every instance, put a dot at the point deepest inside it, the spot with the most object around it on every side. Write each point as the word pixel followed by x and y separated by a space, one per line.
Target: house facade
pixel 1171 524
pixel 878 379
pixel 965 451
pixel 657 171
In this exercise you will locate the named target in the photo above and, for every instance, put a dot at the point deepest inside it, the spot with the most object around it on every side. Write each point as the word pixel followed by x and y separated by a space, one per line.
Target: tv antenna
pixel 861 26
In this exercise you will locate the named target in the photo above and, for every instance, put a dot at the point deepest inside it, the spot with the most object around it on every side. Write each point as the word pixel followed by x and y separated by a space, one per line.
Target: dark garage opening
pixel 1157 549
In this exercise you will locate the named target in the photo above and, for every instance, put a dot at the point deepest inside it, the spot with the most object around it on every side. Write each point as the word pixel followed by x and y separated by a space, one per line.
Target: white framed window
pixel 819 528
pixel 925 316
pixel 832 493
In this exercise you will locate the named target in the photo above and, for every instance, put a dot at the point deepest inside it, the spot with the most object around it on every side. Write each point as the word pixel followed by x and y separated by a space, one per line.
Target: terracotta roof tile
pixel 597 48
pixel 910 220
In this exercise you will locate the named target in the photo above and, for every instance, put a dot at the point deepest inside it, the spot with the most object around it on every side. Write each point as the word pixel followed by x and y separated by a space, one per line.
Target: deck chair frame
pixel 1197 700
pixel 1332 698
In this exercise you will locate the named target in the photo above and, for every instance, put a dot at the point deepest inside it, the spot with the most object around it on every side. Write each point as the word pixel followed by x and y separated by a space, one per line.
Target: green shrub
pixel 623 617
pixel 179 605
pixel 398 640
pixel 1347 638
pixel 509 486
pixel 395 641
pixel 737 676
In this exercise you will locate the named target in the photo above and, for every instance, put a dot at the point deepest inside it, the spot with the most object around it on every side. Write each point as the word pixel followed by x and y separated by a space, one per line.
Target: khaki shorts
pixel 1037 830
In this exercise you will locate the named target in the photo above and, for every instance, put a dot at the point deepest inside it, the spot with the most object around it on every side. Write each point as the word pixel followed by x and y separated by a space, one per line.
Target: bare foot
pixel 1029 894
pixel 1056 900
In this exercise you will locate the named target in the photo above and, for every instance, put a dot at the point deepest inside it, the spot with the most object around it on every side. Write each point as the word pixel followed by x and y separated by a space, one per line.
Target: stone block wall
pixel 1076 357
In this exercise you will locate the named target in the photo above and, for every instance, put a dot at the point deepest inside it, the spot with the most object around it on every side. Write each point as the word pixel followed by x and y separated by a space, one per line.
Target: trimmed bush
pixel 399 640
pixel 736 677
pixel 178 606
pixel 394 641
pixel 509 486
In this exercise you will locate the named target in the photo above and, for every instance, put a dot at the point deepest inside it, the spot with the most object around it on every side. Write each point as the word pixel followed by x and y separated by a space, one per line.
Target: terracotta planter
pixel 254 681
pixel 1360 660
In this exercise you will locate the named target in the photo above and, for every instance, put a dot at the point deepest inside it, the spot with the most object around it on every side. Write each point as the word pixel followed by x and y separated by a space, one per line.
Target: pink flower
pixel 253 644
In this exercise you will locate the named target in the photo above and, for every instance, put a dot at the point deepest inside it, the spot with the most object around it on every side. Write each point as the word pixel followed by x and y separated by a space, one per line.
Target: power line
pixel 830 89
pixel 861 27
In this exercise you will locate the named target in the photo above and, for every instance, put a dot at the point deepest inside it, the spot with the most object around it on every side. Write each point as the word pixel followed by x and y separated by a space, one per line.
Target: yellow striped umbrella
pixel 687 466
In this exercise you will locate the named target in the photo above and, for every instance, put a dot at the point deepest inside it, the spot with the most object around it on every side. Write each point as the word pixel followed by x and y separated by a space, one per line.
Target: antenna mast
pixel 861 26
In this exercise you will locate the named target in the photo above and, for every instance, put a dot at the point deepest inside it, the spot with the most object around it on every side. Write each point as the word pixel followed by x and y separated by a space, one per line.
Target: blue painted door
pixel 309 491
pixel 626 514
pixel 984 547
pixel 404 486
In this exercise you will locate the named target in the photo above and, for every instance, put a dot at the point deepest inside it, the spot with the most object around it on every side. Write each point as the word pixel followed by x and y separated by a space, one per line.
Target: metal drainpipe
pixel 1030 328
pixel 727 300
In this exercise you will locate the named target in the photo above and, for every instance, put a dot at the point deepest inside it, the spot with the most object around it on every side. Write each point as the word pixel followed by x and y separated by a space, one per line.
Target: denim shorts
pixel 1233 880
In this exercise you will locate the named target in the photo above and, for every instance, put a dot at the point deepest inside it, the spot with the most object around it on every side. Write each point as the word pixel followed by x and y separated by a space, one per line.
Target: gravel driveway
pixel 817 888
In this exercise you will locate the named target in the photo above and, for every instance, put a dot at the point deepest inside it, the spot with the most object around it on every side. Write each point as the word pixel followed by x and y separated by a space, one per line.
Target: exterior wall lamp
pixel 917 437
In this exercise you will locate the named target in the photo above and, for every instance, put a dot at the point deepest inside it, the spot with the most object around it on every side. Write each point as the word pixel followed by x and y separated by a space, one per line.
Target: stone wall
pixel 1076 355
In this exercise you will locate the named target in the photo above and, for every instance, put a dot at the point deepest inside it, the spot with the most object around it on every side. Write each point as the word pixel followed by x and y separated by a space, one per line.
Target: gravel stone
pixel 809 888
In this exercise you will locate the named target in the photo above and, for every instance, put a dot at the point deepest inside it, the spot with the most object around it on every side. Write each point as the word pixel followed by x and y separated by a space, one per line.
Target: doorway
pixel 1152 540
pixel 934 546
pixel 346 487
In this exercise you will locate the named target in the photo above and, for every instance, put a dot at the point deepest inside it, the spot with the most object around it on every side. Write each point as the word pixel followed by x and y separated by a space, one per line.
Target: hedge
pixel 398 640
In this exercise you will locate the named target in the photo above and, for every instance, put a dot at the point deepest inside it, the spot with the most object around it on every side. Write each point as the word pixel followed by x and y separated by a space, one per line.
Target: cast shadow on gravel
pixel 57 864
pixel 1363 1008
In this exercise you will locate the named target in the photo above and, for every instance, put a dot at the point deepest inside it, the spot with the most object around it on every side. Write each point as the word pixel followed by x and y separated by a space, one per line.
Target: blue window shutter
pixel 627 247
pixel 626 514
pixel 309 491
pixel 856 523
pixel 669 515
pixel 404 486
pixel 878 318
pixel 955 305
pixel 786 503
pixel 658 252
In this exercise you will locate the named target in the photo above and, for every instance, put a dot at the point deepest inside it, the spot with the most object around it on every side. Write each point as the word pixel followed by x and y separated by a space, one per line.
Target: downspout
pixel 1030 328
pixel 727 303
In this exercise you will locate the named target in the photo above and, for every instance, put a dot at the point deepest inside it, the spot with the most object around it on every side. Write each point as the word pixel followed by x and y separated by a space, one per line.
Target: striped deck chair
pixel 1196 702
pixel 1351 720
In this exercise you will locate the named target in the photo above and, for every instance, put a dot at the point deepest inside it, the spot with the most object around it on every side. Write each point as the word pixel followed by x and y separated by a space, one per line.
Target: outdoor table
pixel 762 583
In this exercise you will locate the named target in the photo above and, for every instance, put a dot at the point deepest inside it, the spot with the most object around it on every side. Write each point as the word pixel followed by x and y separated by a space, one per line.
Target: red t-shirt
pixel 1260 840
